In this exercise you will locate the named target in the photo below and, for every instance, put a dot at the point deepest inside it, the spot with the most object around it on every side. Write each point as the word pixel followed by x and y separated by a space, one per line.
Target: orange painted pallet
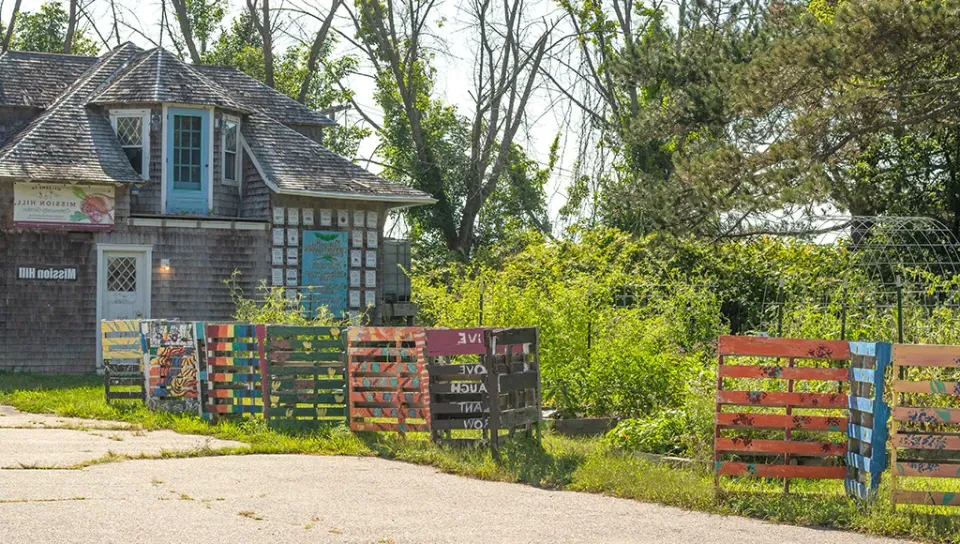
pixel 388 379
pixel 775 359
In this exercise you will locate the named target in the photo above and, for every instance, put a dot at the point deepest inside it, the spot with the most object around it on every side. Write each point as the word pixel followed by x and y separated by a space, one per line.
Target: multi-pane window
pixel 187 152
pixel 132 133
pixel 122 274
pixel 231 150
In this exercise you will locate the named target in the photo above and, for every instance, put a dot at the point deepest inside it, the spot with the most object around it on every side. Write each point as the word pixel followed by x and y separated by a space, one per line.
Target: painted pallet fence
pixel 513 358
pixel 388 379
pixel 867 425
pixel 460 385
pixel 921 445
pixel 304 378
pixel 172 365
pixel 233 370
pixel 123 355
pixel 748 454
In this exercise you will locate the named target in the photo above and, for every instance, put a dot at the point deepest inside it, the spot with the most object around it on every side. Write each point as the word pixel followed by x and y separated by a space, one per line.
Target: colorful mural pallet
pixel 123 352
pixel 513 358
pixel 924 420
pixel 304 382
pixel 388 380
pixel 460 385
pixel 232 372
pixel 867 427
pixel 172 363
pixel 777 359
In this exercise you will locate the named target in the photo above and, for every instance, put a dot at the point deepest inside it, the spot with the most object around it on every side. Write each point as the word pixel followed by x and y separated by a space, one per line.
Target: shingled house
pixel 133 184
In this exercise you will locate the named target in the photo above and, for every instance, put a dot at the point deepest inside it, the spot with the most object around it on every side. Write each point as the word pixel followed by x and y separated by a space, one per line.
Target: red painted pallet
pixel 388 379
pixel 924 442
pixel 752 411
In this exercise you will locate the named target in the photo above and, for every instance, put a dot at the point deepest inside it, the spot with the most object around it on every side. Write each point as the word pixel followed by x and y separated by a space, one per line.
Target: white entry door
pixel 125 286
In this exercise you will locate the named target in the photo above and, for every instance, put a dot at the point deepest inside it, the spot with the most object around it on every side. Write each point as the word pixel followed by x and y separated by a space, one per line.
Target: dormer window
pixel 231 150
pixel 133 132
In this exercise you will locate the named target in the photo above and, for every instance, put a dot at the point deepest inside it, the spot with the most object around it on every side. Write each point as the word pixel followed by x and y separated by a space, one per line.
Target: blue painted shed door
pixel 188 160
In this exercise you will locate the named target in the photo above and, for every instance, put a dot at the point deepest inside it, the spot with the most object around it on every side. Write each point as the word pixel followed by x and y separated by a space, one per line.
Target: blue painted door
pixel 188 160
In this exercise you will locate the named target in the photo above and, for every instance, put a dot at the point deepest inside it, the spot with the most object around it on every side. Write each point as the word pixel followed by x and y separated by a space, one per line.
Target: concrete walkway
pixel 43 441
pixel 298 498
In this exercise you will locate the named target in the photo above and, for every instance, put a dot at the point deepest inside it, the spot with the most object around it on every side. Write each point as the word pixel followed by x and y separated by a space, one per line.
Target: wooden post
pixel 493 392
pixel 264 377
pixel 788 431
pixel 716 431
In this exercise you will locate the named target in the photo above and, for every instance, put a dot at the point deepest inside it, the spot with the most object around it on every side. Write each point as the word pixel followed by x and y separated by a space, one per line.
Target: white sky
pixel 453 80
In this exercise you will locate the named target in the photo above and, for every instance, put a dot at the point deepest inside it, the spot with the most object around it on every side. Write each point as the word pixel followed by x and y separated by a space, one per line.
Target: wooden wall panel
pixel 388 379
pixel 767 407
pixel 232 370
pixel 304 372
pixel 867 427
pixel 123 353
pixel 172 365
pixel 925 442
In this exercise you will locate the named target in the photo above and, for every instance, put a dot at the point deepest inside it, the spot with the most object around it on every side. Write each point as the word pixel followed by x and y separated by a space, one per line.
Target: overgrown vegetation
pixel 628 326
pixel 589 465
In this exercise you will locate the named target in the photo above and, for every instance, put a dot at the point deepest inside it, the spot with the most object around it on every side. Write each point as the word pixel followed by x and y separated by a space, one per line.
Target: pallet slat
pixel 779 399
pixel 781 421
pixel 780 471
pixel 746 445
pixel 797 348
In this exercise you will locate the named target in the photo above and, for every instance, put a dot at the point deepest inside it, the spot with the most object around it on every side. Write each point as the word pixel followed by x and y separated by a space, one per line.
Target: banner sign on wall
pixel 324 270
pixel 61 206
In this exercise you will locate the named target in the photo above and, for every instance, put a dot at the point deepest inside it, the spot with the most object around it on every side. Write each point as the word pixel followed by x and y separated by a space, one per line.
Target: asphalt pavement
pixel 298 498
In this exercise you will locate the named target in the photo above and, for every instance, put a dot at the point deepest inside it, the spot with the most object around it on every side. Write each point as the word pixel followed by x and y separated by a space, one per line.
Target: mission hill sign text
pixel 68 207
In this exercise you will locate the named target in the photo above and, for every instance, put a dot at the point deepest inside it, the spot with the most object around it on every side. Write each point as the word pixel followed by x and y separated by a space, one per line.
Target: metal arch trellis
pixel 895 256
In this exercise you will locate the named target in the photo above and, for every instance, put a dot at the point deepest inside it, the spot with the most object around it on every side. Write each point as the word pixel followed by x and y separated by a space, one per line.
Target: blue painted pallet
pixel 867 427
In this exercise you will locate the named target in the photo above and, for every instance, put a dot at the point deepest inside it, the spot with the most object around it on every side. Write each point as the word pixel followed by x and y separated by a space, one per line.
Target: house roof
pixel 291 163
pixel 157 76
pixel 37 79
pixel 69 141
pixel 264 99
pixel 72 139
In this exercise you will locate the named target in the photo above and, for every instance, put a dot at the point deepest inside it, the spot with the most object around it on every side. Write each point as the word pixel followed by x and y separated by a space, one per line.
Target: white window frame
pixel 144 116
pixel 223 152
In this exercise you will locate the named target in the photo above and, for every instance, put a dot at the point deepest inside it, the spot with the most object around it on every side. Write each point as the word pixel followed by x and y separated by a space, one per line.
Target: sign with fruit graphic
pixel 70 207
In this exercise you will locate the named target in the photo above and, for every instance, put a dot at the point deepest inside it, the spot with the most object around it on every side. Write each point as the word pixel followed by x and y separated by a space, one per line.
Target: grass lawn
pixel 561 463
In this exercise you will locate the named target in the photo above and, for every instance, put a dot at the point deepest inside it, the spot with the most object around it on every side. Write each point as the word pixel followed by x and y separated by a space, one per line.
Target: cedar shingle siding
pixel 55 129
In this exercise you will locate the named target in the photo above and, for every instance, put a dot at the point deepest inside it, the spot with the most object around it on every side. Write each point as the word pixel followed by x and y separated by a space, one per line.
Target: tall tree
pixel 13 21
pixel 460 160
pixel 858 106
pixel 46 31
pixel 260 15
pixel 651 89
pixel 239 46
pixel 71 27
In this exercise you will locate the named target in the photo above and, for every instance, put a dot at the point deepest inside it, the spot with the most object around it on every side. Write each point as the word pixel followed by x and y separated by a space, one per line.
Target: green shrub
pixel 659 433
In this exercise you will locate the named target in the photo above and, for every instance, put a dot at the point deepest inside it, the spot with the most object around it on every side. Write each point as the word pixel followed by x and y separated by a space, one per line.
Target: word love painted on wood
pixel 455 342
pixel 442 342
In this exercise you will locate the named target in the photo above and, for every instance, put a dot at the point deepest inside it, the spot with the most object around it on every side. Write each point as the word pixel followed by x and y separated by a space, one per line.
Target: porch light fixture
pixel 164 265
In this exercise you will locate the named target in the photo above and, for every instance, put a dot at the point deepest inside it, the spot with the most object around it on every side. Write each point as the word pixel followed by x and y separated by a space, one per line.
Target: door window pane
pixel 122 274
pixel 187 152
